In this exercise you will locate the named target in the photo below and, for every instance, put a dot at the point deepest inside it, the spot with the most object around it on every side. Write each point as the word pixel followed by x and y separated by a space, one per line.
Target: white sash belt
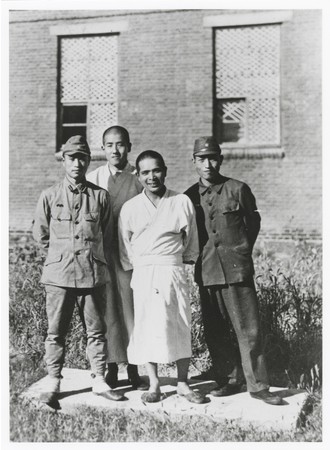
pixel 160 260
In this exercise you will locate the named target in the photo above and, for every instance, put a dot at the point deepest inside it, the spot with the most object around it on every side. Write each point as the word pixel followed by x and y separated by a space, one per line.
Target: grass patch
pixel 95 425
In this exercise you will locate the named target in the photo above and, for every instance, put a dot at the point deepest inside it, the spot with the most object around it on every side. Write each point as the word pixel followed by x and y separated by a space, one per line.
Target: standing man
pixel 157 233
pixel 72 222
pixel 118 178
pixel 228 225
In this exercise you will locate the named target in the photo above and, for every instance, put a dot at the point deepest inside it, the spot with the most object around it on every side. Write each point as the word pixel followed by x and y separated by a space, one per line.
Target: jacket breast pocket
pixel 230 208
pixel 232 217
pixel 61 224
pixel 91 225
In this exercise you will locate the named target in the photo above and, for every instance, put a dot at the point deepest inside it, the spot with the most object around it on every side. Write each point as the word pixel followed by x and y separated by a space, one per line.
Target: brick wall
pixel 165 100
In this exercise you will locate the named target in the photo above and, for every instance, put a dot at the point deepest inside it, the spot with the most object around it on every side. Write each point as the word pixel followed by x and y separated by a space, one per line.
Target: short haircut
pixel 119 129
pixel 149 154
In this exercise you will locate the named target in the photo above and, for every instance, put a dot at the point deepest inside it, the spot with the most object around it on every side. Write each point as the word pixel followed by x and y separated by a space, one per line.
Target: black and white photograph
pixel 164 233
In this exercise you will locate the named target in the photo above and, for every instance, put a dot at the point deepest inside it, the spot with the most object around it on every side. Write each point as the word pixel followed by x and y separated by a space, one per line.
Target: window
pixel 74 121
pixel 88 87
pixel 247 85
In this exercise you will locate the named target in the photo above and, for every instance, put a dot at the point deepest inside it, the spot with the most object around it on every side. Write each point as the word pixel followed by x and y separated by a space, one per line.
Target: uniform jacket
pixel 72 224
pixel 228 225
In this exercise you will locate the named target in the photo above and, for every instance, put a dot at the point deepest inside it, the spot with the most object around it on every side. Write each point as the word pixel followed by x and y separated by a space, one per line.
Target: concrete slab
pixel 76 391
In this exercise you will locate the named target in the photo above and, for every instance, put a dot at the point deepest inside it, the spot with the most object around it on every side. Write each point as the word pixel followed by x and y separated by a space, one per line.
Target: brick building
pixel 253 78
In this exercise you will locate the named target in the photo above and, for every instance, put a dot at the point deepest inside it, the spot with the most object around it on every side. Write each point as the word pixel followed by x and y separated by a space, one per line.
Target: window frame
pixel 215 127
pixel 59 112
pixel 87 29
pixel 232 150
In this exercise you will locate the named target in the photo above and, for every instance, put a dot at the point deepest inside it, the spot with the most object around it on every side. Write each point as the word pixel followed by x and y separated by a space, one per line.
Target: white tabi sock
pixel 99 385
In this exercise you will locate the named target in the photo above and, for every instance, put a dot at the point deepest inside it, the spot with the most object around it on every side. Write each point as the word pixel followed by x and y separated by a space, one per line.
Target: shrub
pixel 289 291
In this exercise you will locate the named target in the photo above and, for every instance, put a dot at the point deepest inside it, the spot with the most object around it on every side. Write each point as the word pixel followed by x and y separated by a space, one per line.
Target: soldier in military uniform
pixel 228 225
pixel 73 221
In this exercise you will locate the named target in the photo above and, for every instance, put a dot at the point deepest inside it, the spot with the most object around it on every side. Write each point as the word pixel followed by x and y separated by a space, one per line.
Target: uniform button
pixel 77 237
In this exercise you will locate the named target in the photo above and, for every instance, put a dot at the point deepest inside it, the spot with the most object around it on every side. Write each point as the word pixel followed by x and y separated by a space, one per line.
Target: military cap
pixel 206 145
pixel 76 144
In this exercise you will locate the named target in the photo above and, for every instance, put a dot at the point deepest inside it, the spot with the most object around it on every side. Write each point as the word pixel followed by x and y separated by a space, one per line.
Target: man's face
pixel 116 149
pixel 152 175
pixel 208 166
pixel 76 166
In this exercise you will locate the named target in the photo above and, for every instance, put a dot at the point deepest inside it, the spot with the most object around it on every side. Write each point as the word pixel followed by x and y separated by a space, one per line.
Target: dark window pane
pixel 231 132
pixel 74 114
pixel 230 120
pixel 67 132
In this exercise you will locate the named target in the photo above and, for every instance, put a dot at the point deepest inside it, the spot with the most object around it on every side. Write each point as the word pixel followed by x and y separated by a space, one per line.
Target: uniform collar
pixel 214 187
pixel 76 189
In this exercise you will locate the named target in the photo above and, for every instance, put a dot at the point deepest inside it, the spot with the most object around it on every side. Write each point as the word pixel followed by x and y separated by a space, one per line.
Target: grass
pixel 90 425
pixel 290 304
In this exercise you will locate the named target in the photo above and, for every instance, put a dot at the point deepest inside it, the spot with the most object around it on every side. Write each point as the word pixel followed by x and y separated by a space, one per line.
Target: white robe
pixel 155 241
pixel 119 315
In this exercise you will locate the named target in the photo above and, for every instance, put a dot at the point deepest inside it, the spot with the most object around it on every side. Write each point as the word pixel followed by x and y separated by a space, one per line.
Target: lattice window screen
pixel 248 66
pixel 89 67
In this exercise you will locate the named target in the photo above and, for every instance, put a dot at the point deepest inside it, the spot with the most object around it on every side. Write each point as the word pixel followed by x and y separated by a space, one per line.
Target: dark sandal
pixel 194 397
pixel 151 397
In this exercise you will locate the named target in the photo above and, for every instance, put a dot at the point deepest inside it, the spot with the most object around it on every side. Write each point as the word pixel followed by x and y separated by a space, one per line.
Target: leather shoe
pixel 111 377
pixel 51 390
pixel 111 395
pixel 267 397
pixel 48 397
pixel 226 390
pixel 139 384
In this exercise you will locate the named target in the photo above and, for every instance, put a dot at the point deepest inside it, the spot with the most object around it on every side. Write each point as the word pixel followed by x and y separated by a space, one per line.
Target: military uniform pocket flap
pixel 230 207
pixel 53 258
pixel 91 216
pixel 62 215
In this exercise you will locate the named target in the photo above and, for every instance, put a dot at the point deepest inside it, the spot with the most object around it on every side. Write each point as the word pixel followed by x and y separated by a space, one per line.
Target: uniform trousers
pixel 234 307
pixel 60 303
